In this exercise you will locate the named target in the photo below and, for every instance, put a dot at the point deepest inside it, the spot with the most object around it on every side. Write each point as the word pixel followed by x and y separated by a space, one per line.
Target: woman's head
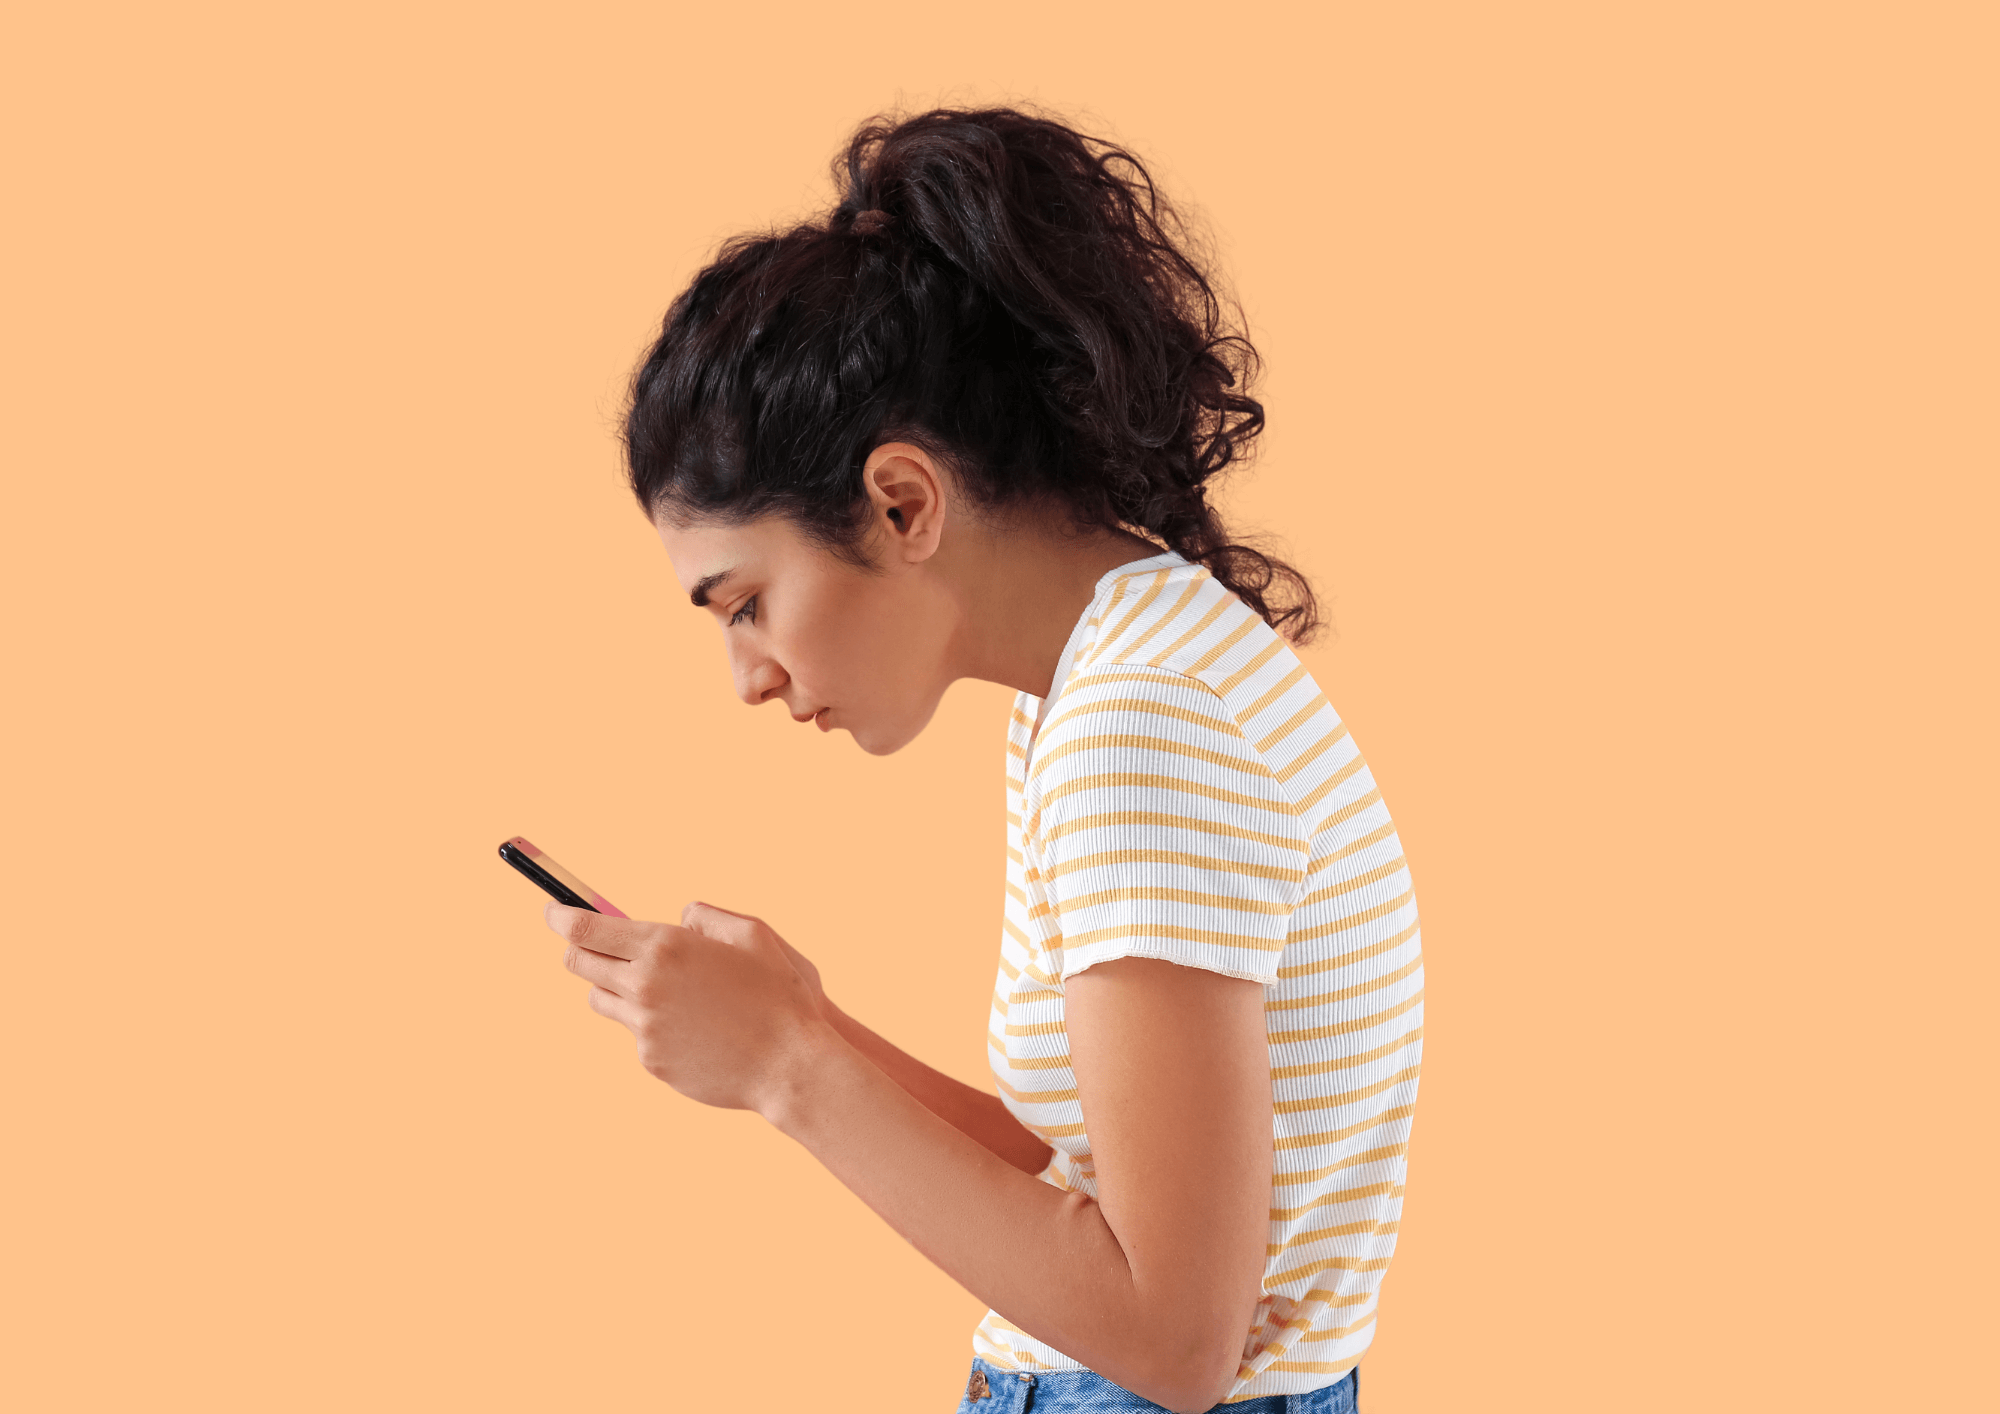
pixel 1011 298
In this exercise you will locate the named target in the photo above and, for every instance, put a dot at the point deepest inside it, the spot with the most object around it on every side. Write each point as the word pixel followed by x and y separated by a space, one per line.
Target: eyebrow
pixel 700 596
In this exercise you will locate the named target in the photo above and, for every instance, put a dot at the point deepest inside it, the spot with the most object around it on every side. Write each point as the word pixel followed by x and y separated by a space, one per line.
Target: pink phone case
pixel 597 900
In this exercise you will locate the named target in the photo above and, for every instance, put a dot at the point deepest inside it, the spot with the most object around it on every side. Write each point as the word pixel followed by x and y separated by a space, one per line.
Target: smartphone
pixel 554 880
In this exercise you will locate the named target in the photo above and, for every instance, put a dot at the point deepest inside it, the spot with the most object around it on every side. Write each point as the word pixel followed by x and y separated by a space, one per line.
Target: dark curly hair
pixel 1015 297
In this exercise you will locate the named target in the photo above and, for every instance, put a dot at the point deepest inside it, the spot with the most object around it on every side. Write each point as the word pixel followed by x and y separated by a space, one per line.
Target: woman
pixel 964 427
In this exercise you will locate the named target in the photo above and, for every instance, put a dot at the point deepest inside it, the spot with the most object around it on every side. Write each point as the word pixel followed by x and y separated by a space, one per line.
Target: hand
pixel 720 1006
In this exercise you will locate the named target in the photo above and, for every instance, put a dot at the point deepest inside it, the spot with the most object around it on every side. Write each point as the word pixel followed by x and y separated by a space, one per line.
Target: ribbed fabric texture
pixel 1186 792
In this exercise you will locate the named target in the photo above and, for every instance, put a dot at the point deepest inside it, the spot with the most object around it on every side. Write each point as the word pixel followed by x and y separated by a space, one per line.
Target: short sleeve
pixel 1157 830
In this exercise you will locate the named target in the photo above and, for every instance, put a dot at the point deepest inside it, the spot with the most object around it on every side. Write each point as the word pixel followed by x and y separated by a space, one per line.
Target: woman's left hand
pixel 716 1006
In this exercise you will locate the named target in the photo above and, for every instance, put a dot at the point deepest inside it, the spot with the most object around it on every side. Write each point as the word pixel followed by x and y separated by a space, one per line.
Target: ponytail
pixel 996 287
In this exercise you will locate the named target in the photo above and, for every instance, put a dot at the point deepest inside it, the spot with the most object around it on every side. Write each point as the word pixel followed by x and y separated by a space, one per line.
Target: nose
pixel 758 677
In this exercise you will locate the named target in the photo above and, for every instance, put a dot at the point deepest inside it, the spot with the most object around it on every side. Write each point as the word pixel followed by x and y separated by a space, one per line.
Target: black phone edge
pixel 542 878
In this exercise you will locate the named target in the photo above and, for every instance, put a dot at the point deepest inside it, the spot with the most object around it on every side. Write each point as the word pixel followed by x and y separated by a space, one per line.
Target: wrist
pixel 814 1057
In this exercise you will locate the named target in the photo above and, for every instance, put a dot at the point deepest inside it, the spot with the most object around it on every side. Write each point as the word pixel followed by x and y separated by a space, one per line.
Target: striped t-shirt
pixel 1186 792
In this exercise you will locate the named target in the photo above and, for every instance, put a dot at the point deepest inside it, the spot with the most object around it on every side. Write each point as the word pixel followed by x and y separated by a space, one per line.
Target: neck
pixel 1019 590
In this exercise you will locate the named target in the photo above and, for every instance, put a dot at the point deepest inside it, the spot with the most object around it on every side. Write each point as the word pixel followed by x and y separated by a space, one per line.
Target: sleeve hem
pixel 1070 970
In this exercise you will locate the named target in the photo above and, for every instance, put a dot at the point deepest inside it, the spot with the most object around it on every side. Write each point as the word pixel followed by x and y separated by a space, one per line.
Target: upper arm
pixel 1173 1072
pixel 1170 859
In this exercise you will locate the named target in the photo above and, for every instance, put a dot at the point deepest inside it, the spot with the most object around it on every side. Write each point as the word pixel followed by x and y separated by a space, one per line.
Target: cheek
pixel 853 651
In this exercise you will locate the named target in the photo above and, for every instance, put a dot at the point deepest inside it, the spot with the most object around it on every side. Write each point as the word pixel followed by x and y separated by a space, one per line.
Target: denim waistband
pixel 992 1390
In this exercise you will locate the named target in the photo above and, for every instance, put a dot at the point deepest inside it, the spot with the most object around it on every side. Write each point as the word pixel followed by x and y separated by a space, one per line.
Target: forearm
pixel 1044 1258
pixel 974 1113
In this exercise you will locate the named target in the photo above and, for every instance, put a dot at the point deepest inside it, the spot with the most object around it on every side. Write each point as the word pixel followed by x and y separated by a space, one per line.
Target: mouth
pixel 818 717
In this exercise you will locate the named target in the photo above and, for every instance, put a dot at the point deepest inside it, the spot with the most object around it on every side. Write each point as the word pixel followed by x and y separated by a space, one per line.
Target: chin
pixel 882 739
pixel 878 744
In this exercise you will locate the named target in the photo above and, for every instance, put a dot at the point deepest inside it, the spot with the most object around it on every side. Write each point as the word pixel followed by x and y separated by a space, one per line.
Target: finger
pixel 611 973
pixel 614 937
pixel 719 923
pixel 612 1007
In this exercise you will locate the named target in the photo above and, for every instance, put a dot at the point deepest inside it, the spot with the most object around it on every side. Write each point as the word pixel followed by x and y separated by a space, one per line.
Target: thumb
pixel 736 929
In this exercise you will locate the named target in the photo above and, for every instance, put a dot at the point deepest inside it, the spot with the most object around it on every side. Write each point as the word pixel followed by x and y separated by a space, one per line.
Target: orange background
pixel 1631 388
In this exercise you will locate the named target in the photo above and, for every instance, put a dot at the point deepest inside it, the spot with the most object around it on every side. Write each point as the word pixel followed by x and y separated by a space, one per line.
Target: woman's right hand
pixel 801 964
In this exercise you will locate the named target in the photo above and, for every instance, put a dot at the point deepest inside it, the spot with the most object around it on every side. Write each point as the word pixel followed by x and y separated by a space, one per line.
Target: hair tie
pixel 871 222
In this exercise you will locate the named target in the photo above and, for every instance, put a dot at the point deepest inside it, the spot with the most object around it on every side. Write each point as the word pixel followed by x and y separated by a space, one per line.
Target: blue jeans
pixel 1082 1392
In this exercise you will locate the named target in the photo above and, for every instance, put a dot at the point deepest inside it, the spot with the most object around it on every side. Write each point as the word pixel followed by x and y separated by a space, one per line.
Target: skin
pixel 1153 1283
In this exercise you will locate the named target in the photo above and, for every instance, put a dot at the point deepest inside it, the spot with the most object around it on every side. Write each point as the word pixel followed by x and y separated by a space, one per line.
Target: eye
pixel 748 611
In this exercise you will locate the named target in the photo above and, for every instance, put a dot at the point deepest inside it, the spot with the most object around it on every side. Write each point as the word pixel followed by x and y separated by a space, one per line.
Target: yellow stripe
pixel 1297 720
pixel 1235 636
pixel 1314 1367
pixel 1304 1324
pixel 1331 783
pixel 1332 1299
pixel 1300 1072
pixel 1127 741
pixel 1272 1249
pixel 1348 959
pixel 1152 593
pixel 1312 754
pixel 1206 619
pixel 1108 857
pixel 1359 881
pixel 1359 989
pixel 1036 1028
pixel 1346 812
pixel 1327 1200
pixel 1097 674
pixel 1326 1264
pixel 1028 996
pixel 1026 1062
pixel 1367 1156
pixel 1171 930
pixel 1335 1136
pixel 1374 836
pixel 1037 1097
pixel 1166 620
pixel 1285 685
pixel 1015 714
pixel 1229 683
pixel 1123 583
pixel 1345 1097
pixel 1342 1332
pixel 1141 704
pixel 1103 819
pixel 1349 1027
pixel 1113 780
pixel 1162 894
pixel 1353 920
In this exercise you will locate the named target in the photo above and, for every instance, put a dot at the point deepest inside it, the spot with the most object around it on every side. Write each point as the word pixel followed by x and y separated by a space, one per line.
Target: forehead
pixel 703 549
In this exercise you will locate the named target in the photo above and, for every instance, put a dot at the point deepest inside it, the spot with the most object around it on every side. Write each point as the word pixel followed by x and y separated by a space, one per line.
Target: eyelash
pixel 749 608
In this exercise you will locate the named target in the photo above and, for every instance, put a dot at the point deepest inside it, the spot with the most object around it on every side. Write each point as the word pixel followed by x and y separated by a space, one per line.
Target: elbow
pixel 1191 1377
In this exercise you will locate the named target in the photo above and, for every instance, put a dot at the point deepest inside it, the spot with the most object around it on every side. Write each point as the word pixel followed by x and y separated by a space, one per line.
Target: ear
pixel 907 495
